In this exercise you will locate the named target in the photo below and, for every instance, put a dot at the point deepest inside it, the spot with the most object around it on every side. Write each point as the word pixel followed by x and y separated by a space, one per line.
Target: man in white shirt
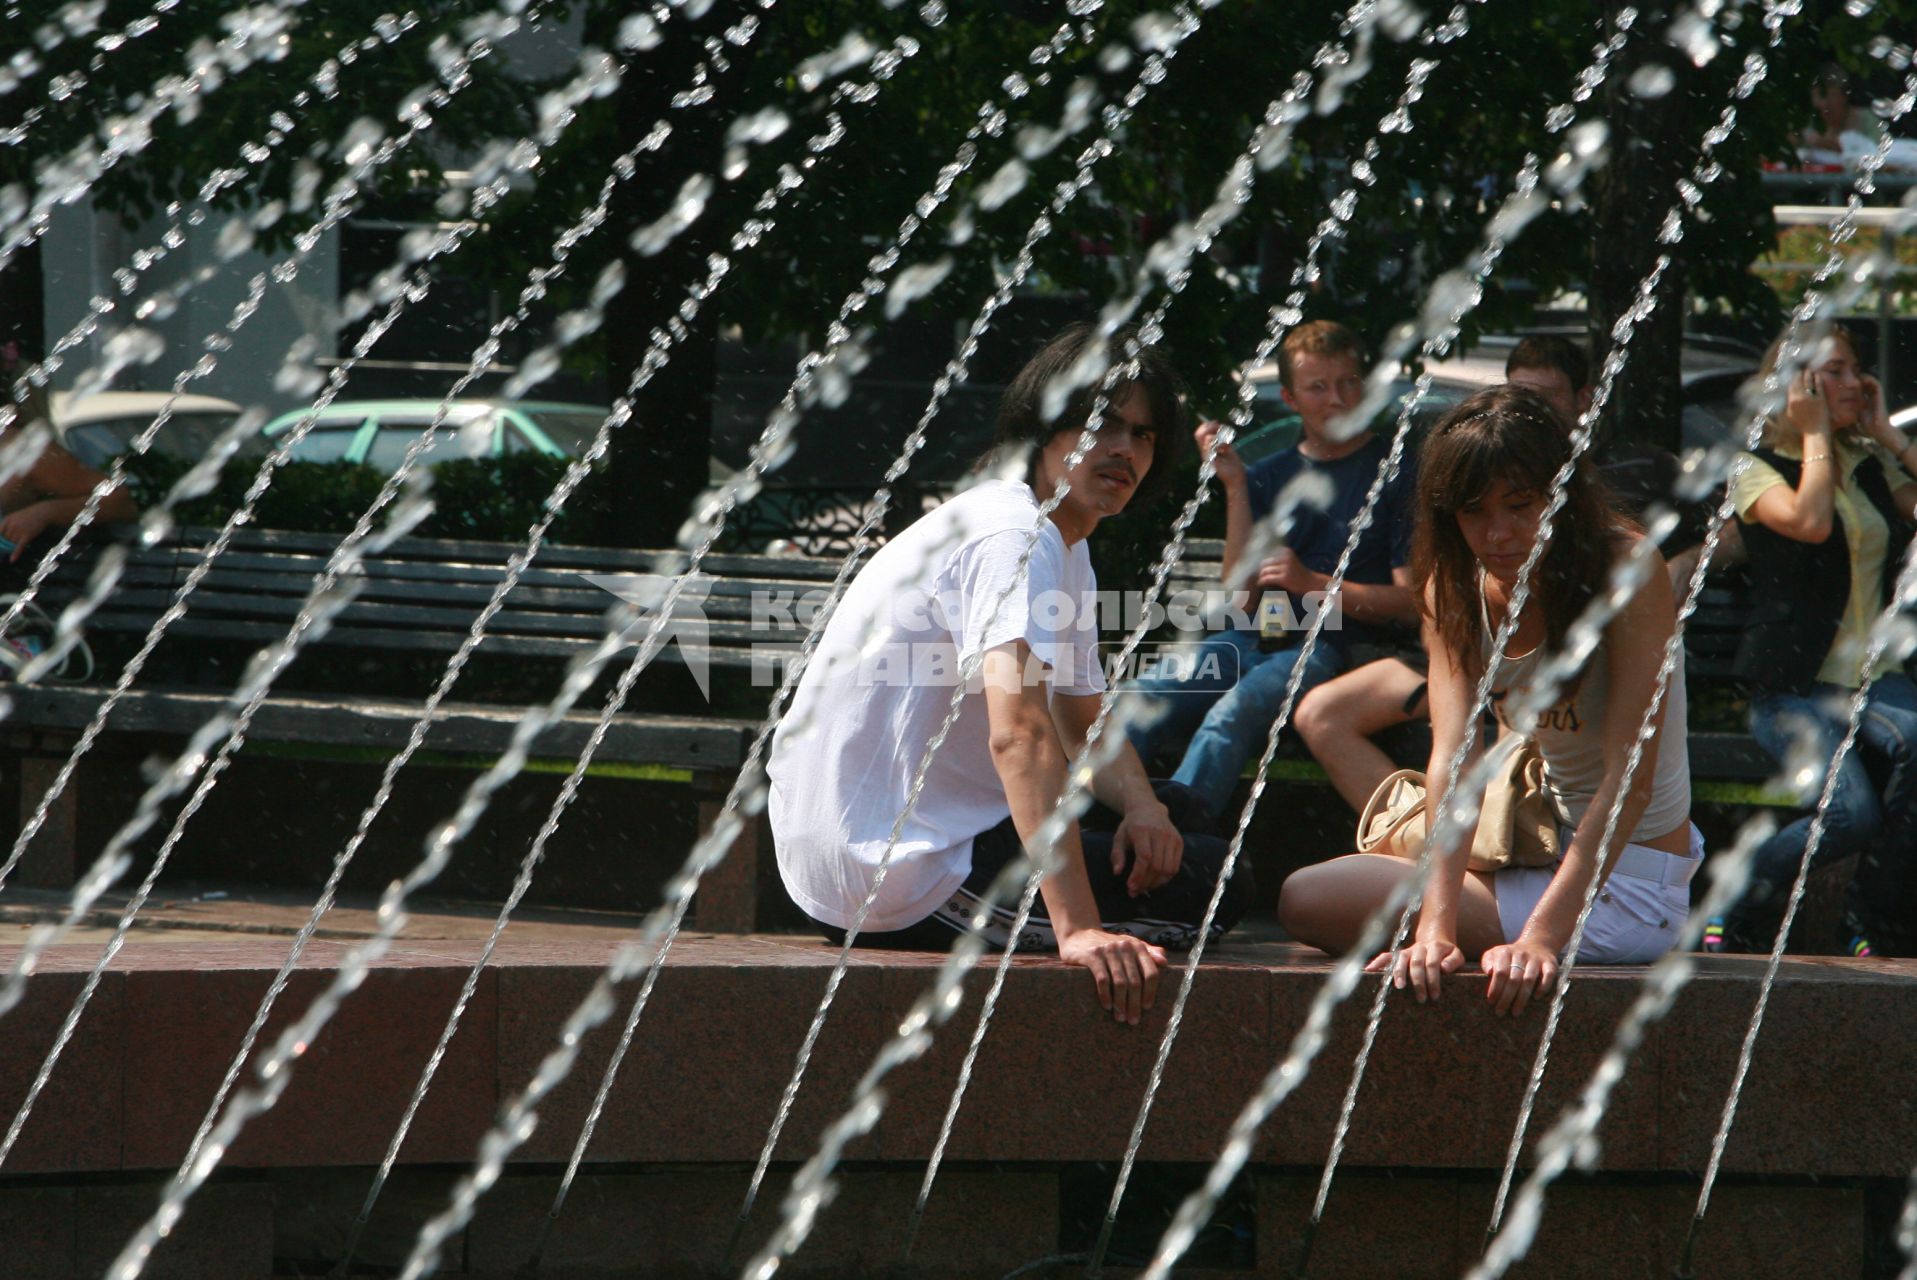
pixel 985 576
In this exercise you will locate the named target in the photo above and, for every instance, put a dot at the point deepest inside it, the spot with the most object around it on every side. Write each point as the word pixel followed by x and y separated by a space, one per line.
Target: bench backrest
pixel 424 594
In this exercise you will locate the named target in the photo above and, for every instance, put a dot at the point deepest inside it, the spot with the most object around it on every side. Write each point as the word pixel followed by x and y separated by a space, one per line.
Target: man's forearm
pixel 1238 530
pixel 1378 602
pixel 1034 775
pixel 1121 782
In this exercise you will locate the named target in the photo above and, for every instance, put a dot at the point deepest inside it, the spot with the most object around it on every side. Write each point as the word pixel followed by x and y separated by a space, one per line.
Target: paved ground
pixel 194 912
pixel 207 912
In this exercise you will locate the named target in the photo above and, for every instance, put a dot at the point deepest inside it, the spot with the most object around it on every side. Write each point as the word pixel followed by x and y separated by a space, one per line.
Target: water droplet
pixel 1003 185
pixel 1400 19
pixel 758 128
pixel 1653 80
pixel 853 51
pixel 235 238
pixel 914 283
pixel 1693 33
pixel 685 210
pixel 1156 32
pixel 962 227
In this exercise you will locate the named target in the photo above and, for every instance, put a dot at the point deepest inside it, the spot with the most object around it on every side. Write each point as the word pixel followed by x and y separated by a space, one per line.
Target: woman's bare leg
pixel 1337 719
pixel 1326 905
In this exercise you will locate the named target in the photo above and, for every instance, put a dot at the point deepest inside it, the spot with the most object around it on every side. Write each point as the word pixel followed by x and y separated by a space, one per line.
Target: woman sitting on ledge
pixel 1485 478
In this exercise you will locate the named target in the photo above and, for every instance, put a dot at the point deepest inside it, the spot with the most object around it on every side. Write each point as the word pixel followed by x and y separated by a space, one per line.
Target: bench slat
pixel 678 741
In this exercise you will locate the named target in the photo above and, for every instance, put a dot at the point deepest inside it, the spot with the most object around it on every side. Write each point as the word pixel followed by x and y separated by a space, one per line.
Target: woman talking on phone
pixel 1826 503
pixel 1484 479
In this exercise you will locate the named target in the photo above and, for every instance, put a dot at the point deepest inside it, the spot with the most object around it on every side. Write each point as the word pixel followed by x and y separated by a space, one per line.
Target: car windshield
pixel 468 436
pixel 572 430
pixel 185 435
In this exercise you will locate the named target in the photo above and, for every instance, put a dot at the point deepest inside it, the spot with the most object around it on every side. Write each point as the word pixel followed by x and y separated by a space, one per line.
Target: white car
pixel 97 428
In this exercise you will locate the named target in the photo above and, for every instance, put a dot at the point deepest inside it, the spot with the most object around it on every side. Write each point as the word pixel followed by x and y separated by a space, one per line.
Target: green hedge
pixel 495 499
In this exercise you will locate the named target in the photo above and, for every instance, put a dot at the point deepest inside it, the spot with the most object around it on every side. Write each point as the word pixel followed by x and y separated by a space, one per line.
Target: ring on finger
pixel 1517 969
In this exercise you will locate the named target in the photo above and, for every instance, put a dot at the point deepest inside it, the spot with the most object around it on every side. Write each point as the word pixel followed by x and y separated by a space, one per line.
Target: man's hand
pixel 1146 832
pixel 1125 969
pixel 1286 570
pixel 1227 466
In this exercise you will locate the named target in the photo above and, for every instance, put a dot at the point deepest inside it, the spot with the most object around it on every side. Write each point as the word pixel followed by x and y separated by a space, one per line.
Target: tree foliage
pixel 1484 107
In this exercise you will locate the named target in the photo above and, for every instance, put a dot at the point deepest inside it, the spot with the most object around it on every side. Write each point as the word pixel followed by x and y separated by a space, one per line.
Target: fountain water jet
pixel 77 22
pixel 107 570
pixel 255 35
pixel 746 793
pixel 391 917
pixel 1673 655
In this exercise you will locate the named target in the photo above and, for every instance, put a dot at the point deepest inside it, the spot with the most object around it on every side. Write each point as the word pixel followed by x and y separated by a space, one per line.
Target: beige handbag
pixel 1516 827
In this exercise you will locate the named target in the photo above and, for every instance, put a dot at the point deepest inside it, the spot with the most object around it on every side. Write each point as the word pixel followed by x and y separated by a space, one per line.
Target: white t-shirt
pixel 881 684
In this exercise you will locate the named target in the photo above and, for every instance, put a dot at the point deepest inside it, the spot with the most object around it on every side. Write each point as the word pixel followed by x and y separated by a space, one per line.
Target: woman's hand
pixel 1874 418
pixel 1424 963
pixel 1806 408
pixel 1518 970
pixel 1124 969
pixel 1227 465
pixel 23 526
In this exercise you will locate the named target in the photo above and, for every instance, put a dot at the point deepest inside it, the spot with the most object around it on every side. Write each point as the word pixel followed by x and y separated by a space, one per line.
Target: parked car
pixel 377 432
pixel 98 428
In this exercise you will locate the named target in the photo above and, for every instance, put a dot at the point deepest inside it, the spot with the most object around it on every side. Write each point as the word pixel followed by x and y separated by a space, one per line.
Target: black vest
pixel 1799 589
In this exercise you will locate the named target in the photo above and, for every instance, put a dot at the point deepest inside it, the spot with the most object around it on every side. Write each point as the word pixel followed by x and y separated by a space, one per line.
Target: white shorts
pixel 1638 913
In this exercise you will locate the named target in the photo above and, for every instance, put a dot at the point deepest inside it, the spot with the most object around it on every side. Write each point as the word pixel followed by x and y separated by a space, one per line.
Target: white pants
pixel 1639 911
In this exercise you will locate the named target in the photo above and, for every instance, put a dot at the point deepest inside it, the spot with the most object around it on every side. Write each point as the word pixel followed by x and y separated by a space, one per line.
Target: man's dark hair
pixel 1551 351
pixel 1022 424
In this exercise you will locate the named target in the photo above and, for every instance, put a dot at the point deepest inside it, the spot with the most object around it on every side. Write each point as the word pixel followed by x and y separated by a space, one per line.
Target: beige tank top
pixel 1570 737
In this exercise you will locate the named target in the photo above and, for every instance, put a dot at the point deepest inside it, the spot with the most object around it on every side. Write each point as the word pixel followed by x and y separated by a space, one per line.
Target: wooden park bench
pixel 1726 767
pixel 416 602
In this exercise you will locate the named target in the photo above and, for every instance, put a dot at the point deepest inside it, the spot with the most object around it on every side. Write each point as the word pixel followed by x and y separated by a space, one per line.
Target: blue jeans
pixel 1880 825
pixel 1226 709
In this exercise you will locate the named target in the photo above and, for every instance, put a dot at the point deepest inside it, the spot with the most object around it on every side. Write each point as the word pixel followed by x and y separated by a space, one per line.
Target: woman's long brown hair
pixel 1511 434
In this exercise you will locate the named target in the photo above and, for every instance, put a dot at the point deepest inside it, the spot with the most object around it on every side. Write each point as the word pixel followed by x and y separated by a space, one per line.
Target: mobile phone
pixel 6 546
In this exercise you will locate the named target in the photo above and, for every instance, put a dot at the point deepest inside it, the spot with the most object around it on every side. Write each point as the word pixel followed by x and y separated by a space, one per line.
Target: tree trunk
pixel 658 464
pixel 23 306
pixel 1653 144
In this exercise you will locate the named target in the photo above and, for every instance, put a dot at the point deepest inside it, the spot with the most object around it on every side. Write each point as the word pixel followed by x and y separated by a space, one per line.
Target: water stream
pixel 255 33
pixel 77 21
pixel 1672 656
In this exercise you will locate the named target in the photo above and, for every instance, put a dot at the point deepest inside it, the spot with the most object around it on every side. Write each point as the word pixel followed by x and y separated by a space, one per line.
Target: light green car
pixel 377 432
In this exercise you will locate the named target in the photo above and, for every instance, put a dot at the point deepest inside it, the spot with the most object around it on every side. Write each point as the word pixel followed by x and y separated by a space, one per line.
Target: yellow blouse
pixel 1866 538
